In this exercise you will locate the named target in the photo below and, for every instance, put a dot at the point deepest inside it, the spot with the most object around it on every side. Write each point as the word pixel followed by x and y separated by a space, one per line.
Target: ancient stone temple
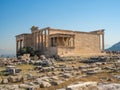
pixel 50 41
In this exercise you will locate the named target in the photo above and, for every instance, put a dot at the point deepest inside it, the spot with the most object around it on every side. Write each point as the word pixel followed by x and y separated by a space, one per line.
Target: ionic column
pixel 34 40
pixel 103 42
pixel 45 38
pixel 20 44
pixel 100 42
pixel 41 39
pixel 57 41
pixel 53 41
pixel 68 41
pixel 38 40
pixel 23 43
pixel 16 46
pixel 49 39
pixel 63 42
pixel 73 41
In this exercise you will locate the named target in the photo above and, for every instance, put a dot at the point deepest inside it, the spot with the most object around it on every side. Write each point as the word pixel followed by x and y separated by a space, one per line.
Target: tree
pixel 26 50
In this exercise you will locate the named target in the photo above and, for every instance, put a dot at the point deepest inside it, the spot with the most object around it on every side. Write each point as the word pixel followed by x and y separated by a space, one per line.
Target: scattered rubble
pixel 5 81
pixel 83 86
pixel 47 72
pixel 12 70
pixel 111 86
pixel 10 87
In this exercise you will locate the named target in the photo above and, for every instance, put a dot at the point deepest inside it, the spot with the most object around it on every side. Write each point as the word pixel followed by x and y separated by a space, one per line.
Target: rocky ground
pixel 96 73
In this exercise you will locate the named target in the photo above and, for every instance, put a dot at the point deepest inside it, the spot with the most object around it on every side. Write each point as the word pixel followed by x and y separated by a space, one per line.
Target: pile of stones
pixel 92 86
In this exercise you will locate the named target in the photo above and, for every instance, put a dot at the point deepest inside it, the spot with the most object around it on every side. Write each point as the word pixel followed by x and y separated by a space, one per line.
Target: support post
pixel 38 40
pixel 57 42
pixel 45 38
pixel 20 44
pixel 17 46
pixel 42 40
pixel 34 39
pixel 63 40
pixel 53 41
pixel 73 41
pixel 49 39
pixel 102 42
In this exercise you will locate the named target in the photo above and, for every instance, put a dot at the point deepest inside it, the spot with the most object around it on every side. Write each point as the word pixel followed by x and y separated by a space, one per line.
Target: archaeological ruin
pixel 52 42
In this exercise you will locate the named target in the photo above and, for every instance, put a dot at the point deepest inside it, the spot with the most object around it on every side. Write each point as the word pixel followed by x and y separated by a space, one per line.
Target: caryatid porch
pixel 62 40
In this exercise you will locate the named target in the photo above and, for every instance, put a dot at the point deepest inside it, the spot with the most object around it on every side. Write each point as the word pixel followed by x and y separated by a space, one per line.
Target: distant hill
pixel 6 53
pixel 115 47
pixel 2 51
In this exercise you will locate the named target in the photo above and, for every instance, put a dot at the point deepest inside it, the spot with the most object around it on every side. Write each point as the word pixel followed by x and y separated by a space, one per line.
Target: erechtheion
pixel 50 41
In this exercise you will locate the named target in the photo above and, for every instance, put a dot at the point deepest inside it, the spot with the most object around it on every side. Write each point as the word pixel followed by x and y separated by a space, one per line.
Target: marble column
pixel 57 41
pixel 53 41
pixel 41 39
pixel 38 40
pixel 17 46
pixel 63 41
pixel 103 42
pixel 73 41
pixel 20 44
pixel 49 39
pixel 100 42
pixel 45 38
pixel 34 40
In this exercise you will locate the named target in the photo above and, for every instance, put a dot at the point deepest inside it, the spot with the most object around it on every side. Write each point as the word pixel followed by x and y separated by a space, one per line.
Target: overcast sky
pixel 18 16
